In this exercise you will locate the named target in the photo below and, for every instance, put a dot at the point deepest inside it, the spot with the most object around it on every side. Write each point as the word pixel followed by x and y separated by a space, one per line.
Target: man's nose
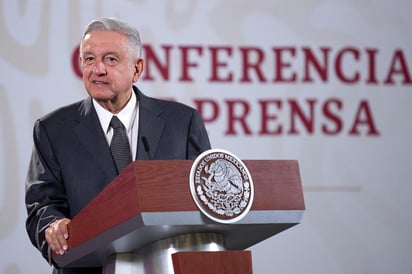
pixel 99 68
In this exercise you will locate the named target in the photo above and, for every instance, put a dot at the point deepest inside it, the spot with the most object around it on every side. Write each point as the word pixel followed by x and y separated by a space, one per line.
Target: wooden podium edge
pixel 277 187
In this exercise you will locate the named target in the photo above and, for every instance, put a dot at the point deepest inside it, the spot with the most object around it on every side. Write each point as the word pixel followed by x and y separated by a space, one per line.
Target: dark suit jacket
pixel 71 160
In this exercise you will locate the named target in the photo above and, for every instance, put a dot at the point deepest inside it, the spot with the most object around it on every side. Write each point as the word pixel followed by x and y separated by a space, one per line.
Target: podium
pixel 145 221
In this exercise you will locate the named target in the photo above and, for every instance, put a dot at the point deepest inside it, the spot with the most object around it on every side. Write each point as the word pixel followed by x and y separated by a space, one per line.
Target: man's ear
pixel 139 67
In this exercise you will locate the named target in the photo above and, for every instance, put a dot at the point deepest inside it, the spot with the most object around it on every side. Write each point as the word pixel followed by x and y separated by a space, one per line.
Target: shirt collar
pixel 125 115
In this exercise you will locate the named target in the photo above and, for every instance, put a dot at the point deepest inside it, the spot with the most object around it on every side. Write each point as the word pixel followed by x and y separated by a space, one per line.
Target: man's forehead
pixel 103 40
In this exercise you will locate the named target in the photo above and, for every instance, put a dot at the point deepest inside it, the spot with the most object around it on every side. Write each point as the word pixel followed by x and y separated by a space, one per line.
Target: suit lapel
pixel 151 125
pixel 90 134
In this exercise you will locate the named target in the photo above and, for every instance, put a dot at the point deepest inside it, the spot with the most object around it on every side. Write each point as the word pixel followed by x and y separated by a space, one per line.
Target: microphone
pixel 194 144
pixel 146 146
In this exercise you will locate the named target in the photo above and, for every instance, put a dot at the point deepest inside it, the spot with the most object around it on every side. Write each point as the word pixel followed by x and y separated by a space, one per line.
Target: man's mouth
pixel 99 82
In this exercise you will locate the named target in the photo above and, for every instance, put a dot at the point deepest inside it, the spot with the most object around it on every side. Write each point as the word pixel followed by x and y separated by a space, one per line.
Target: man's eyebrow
pixel 87 53
pixel 111 53
pixel 104 54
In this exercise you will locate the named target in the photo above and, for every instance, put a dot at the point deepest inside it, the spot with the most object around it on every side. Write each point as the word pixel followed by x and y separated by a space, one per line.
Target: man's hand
pixel 57 235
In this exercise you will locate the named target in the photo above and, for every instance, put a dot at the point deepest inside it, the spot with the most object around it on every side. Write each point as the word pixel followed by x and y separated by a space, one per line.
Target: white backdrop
pixel 325 82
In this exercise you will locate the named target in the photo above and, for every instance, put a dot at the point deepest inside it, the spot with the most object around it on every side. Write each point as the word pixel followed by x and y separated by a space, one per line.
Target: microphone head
pixel 146 146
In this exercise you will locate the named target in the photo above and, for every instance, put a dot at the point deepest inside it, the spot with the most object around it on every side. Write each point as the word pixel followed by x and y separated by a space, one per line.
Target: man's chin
pixel 101 94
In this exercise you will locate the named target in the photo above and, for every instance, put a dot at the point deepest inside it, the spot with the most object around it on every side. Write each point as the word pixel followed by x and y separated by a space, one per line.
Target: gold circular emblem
pixel 221 186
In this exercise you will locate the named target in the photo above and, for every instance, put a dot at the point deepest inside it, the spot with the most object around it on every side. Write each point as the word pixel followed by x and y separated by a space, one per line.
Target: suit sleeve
pixel 45 194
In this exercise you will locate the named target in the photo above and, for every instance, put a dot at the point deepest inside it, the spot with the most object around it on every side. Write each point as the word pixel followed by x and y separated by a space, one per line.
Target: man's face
pixel 109 71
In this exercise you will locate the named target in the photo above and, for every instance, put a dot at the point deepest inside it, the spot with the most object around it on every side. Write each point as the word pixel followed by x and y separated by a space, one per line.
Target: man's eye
pixel 88 60
pixel 111 60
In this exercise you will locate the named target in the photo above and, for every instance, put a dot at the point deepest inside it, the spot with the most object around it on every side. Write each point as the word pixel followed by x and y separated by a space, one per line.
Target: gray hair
pixel 117 25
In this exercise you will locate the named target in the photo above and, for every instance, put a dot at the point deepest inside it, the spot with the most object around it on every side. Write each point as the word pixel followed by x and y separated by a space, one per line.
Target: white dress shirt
pixel 129 116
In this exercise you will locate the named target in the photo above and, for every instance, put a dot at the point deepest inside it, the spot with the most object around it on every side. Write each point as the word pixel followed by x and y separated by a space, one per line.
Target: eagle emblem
pixel 221 186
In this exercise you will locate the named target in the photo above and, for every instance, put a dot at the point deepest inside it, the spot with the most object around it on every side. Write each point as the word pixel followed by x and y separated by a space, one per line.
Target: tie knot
pixel 115 123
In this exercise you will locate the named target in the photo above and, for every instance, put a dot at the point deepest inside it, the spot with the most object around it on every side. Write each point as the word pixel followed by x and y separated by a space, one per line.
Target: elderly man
pixel 76 146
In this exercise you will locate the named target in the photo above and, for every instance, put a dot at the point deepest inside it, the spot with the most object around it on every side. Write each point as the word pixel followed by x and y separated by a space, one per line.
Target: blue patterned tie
pixel 120 145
